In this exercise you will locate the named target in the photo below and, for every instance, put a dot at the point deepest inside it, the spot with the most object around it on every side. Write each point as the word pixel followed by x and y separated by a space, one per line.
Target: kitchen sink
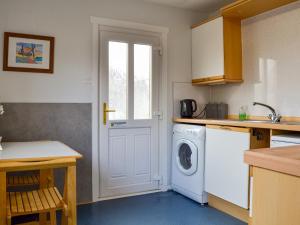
pixel 290 123
pixel 252 121
pixel 258 121
pixel 269 121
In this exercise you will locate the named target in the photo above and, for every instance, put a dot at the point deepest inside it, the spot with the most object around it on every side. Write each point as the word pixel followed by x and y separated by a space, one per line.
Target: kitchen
pixel 239 53
pixel 232 185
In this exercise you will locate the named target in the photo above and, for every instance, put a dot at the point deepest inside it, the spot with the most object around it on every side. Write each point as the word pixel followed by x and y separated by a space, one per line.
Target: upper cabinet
pixel 217 51
pixel 243 9
pixel 217 43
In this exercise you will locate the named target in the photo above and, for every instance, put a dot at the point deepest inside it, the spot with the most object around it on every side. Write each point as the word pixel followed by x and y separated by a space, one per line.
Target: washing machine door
pixel 186 154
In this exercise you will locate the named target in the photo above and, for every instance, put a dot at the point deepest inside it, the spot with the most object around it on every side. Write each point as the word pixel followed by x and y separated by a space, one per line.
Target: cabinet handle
pixel 229 128
pixel 225 128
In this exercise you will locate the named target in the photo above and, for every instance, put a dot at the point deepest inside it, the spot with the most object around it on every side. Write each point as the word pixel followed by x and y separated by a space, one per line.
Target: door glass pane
pixel 142 81
pixel 185 154
pixel 118 76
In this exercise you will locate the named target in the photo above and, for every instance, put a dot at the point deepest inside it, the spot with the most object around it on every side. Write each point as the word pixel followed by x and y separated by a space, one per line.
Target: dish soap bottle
pixel 243 113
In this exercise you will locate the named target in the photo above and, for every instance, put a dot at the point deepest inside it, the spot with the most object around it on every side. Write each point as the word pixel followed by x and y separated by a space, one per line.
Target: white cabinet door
pixel 226 174
pixel 208 49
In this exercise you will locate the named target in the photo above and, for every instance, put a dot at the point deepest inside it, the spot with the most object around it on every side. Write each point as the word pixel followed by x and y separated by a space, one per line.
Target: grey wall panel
pixel 69 123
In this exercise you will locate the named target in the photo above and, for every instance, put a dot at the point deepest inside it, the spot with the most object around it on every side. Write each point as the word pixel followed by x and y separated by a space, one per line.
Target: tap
pixel 274 117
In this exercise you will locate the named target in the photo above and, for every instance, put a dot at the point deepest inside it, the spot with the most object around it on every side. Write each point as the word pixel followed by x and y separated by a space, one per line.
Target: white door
pixel 129 76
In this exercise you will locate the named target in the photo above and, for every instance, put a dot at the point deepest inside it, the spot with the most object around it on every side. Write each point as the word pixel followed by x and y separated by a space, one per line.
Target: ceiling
pixel 195 5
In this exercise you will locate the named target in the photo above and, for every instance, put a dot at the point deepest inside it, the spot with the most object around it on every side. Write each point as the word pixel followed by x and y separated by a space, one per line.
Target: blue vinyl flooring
pixel 167 208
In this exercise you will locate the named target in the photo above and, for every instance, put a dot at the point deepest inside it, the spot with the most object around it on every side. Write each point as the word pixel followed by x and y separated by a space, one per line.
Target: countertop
pixel 290 126
pixel 283 159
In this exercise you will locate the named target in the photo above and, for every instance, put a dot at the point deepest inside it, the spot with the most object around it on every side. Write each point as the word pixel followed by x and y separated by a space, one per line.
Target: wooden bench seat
pixel 31 202
pixel 23 180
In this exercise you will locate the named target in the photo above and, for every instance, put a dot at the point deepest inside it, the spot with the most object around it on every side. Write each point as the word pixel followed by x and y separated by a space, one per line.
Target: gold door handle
pixel 106 110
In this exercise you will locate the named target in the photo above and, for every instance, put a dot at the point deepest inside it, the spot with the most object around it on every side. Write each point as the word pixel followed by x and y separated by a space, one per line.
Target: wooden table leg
pixel 46 180
pixel 64 218
pixel 70 196
pixel 3 206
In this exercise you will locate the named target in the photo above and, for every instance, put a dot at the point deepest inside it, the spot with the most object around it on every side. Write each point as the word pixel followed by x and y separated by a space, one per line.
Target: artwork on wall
pixel 28 53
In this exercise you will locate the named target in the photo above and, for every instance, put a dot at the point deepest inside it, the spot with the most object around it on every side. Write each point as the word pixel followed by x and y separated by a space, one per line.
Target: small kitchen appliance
pixel 187 108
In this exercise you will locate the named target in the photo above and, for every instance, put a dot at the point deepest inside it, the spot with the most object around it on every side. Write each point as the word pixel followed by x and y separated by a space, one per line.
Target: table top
pixel 282 159
pixel 37 150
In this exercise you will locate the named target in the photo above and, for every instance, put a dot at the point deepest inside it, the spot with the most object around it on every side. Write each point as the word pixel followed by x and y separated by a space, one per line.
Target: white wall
pixel 69 22
pixel 271 64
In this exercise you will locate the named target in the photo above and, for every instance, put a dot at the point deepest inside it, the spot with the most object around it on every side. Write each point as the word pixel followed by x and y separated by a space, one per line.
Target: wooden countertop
pixel 282 159
pixel 290 126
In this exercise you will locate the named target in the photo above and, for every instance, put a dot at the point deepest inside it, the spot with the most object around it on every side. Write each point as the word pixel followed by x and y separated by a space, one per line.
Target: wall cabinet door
pixel 208 50
pixel 217 52
pixel 226 174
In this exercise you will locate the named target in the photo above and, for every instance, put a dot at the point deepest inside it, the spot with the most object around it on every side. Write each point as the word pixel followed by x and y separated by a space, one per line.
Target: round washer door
pixel 186 156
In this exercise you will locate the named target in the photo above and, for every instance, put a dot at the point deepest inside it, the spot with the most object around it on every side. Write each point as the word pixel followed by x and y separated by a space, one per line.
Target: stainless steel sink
pixel 289 123
pixel 252 121
pixel 269 121
pixel 258 121
pixel 265 121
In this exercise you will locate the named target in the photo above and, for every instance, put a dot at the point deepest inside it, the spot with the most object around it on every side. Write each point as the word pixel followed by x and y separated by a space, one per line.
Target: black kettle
pixel 187 108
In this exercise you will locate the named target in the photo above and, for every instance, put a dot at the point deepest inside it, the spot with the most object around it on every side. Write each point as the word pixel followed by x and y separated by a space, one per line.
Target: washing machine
pixel 188 161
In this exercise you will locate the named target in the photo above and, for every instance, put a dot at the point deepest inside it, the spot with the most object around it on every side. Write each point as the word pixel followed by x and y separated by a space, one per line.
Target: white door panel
pixel 117 157
pixel 226 174
pixel 142 154
pixel 129 73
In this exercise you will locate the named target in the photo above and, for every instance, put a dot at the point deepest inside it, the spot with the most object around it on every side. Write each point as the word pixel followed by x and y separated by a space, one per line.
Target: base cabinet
pixel 226 174
pixel 276 198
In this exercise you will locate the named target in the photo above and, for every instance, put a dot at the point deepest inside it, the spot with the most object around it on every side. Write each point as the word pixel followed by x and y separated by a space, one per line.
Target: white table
pixel 43 156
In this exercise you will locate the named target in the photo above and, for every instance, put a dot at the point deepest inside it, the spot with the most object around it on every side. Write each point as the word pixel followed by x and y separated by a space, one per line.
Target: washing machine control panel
pixel 190 130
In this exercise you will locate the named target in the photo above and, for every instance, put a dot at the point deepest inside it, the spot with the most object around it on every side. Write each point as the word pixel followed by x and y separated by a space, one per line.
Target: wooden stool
pixel 33 202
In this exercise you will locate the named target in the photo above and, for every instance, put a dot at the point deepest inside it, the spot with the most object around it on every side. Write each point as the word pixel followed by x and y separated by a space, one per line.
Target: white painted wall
pixel 69 22
pixel 271 64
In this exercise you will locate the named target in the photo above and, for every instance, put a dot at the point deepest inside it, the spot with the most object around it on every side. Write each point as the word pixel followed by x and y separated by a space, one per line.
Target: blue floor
pixel 166 208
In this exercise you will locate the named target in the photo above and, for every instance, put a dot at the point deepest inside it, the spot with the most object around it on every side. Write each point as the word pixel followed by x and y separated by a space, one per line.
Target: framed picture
pixel 28 53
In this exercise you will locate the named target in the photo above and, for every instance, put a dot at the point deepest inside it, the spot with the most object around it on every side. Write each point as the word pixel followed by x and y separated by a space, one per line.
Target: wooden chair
pixel 33 202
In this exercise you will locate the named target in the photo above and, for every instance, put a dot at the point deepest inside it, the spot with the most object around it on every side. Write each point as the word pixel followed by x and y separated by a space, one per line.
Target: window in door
pixel 122 80
pixel 118 79
pixel 142 81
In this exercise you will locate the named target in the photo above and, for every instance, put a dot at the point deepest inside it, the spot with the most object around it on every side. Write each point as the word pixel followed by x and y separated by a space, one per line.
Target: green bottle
pixel 243 113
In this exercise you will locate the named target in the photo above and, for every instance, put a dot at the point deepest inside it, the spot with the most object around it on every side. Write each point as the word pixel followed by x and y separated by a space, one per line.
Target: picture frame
pixel 28 53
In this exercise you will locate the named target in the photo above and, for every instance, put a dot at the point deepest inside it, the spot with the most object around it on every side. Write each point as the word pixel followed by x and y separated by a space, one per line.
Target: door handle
pixel 106 110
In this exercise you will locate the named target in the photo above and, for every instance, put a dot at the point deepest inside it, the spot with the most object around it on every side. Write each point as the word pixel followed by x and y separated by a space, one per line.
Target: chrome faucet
pixel 274 117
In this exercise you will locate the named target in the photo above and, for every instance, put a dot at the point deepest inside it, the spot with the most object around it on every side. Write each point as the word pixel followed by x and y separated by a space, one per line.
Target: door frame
pixel 162 33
